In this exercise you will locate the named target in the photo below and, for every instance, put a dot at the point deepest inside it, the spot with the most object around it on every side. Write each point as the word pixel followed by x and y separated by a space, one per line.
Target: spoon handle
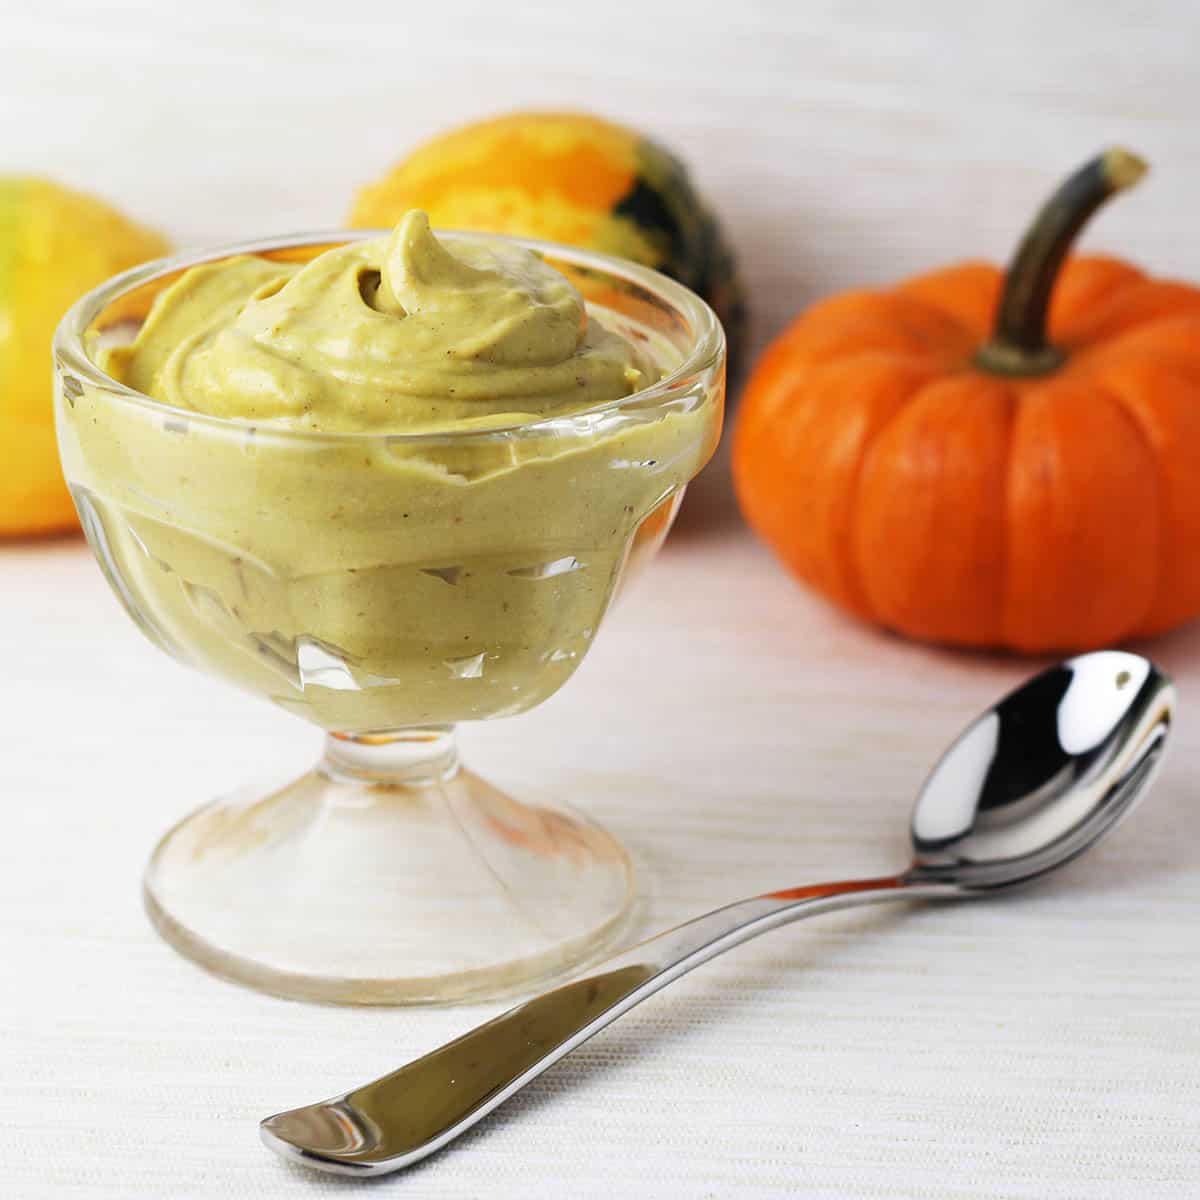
pixel 399 1119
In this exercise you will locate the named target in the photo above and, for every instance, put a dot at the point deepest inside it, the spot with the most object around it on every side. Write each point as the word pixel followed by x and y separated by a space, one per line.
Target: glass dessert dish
pixel 385 586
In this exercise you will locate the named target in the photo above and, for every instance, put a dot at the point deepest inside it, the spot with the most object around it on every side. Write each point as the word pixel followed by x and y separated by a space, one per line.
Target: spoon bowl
pixel 1038 778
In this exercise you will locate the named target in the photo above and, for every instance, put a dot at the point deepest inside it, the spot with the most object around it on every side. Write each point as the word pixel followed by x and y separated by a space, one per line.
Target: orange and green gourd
pixel 571 178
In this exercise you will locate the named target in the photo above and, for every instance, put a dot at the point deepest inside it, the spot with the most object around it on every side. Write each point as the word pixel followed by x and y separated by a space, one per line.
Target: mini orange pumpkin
pixel 1038 488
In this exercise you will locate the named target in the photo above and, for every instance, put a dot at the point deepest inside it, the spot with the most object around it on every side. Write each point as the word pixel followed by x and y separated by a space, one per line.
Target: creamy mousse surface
pixel 381 530
pixel 398 334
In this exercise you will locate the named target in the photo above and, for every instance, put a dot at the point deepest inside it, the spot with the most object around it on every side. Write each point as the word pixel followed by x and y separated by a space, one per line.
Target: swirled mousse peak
pixel 402 333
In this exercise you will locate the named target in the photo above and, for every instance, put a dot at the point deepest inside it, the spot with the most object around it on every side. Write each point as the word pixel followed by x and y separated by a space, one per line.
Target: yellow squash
pixel 55 244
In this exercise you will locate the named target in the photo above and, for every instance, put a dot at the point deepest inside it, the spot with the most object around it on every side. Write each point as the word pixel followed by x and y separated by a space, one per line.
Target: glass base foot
pixel 388 875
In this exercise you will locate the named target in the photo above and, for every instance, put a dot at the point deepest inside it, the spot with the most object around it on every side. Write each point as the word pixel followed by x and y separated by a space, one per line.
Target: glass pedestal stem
pixel 409 758
pixel 389 874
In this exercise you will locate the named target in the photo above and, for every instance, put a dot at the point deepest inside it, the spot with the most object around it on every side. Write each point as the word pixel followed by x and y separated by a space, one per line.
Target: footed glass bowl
pixel 385 587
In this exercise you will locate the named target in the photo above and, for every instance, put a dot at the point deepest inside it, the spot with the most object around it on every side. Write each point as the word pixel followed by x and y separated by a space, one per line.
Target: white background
pixel 737 734
pixel 844 143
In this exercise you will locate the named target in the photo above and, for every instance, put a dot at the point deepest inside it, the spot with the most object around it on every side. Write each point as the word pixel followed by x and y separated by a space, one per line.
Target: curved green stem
pixel 1018 345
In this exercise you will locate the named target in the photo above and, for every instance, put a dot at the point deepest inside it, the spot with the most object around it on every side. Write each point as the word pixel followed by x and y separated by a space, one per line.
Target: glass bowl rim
pixel 707 350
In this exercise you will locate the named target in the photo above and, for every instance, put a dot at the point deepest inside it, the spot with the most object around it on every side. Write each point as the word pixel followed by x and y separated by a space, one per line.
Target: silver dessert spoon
pixel 1028 786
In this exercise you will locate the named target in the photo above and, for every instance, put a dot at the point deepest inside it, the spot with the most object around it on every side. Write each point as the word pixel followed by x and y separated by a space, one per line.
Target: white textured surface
pixel 737 734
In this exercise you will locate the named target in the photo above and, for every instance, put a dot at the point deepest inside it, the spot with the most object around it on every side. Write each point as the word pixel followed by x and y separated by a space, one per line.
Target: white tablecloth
pixel 739 736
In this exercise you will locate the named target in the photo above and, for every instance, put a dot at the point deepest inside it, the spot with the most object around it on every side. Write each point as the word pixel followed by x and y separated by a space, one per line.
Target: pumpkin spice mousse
pixel 393 486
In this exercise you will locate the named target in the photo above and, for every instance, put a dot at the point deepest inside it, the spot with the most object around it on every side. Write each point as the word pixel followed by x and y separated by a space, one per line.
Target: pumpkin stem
pixel 1019 345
